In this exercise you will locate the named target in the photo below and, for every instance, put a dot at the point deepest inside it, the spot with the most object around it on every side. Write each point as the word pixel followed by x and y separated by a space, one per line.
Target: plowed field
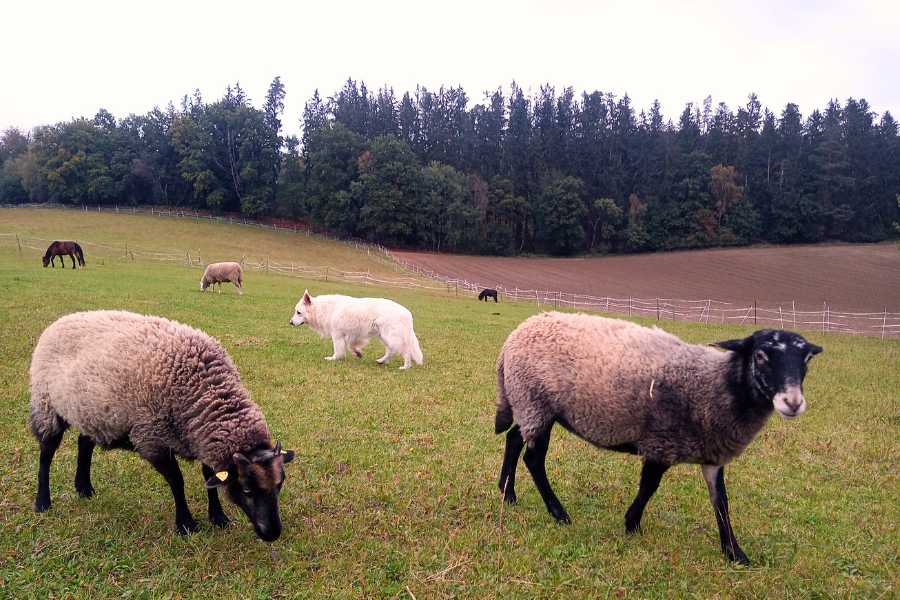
pixel 860 277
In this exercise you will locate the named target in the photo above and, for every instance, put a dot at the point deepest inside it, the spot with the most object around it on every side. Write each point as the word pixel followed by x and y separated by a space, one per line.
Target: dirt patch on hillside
pixel 857 277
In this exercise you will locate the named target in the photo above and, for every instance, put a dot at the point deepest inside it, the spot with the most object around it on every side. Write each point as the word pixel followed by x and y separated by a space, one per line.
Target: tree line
pixel 553 172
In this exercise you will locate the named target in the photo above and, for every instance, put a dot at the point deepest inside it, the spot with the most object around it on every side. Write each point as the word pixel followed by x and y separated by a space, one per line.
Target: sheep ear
pixel 307 299
pixel 813 349
pixel 743 346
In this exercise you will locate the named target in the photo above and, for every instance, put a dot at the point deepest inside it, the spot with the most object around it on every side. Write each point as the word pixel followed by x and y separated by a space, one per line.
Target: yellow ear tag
pixel 222 475
pixel 284 451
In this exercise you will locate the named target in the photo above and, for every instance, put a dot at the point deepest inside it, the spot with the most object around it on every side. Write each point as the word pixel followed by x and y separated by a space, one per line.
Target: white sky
pixel 64 59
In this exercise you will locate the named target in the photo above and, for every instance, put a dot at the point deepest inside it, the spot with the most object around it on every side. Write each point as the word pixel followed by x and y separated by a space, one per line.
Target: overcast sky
pixel 59 60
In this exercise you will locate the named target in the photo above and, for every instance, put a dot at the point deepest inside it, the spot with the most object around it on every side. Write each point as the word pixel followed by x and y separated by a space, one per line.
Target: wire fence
pixel 783 315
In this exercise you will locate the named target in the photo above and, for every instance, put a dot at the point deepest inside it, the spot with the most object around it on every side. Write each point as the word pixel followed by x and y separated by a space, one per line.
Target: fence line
pixel 783 314
pixel 883 324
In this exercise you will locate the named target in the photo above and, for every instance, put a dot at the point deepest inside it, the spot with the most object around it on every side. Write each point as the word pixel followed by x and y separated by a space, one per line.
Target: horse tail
pixel 79 253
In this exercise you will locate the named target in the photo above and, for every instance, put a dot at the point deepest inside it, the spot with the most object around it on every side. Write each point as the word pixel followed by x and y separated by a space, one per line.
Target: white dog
pixel 350 322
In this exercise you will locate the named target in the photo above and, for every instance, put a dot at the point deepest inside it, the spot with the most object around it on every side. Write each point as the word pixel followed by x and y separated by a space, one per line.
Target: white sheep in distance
pixel 218 273
pixel 634 389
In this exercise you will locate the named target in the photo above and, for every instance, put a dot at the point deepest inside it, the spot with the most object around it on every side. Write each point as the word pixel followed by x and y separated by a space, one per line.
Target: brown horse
pixel 61 249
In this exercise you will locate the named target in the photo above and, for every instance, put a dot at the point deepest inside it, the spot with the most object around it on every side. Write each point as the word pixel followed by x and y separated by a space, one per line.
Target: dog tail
pixel 413 345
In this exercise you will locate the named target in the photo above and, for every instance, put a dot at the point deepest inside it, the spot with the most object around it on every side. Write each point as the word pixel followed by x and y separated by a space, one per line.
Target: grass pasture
pixel 394 490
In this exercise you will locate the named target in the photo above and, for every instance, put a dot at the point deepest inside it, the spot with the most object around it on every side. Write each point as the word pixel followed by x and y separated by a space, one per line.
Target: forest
pixel 553 172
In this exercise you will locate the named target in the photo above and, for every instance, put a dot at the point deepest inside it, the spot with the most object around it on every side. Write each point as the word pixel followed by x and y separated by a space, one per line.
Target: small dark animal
pixel 642 391
pixel 63 249
pixel 488 293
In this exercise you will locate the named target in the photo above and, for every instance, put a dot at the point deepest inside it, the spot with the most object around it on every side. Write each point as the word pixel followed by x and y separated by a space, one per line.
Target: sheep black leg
pixel 83 471
pixel 715 482
pixel 167 466
pixel 535 456
pixel 217 516
pixel 48 449
pixel 651 475
pixel 507 484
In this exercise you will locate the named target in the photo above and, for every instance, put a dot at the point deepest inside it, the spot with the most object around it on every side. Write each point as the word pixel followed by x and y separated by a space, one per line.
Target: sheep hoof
pixel 738 557
pixel 84 491
pixel 510 498
pixel 562 518
pixel 41 505
pixel 219 520
pixel 186 526
pixel 357 354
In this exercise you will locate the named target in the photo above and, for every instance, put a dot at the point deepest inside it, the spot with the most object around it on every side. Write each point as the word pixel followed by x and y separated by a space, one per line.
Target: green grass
pixel 394 490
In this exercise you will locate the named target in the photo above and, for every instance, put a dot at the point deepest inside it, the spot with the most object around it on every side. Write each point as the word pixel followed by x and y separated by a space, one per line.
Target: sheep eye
pixel 247 491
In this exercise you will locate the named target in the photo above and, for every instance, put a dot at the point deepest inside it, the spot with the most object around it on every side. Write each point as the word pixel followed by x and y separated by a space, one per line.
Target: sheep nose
pixel 793 403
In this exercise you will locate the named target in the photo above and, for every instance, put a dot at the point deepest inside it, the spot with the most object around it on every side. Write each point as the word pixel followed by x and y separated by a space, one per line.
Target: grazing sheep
pixel 487 293
pixel 162 389
pixel 633 389
pixel 217 273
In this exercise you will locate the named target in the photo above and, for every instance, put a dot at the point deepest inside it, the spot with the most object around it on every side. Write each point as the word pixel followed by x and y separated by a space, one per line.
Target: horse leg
pixel 72 256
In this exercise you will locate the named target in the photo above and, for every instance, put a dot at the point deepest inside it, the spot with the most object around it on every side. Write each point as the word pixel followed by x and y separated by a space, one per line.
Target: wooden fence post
pixel 708 309
pixel 326 273
pixel 883 322
pixel 780 317
pixel 824 317
pixel 754 311
pixel 629 306
pixel 19 244
pixel 794 313
pixel 657 308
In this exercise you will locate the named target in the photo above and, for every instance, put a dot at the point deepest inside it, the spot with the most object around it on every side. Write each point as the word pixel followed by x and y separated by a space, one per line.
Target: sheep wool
pixel 125 379
pixel 603 379
pixel 218 273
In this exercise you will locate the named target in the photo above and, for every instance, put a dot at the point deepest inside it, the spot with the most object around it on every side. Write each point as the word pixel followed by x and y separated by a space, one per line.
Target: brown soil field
pixel 849 277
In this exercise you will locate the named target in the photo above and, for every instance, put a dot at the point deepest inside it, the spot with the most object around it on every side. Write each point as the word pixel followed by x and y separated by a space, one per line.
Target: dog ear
pixel 307 299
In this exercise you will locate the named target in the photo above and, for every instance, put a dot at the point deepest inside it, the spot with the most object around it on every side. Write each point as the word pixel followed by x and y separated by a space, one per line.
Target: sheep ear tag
pixel 217 480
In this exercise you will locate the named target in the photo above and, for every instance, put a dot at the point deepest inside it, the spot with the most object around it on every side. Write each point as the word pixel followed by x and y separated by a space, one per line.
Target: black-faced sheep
pixel 164 390
pixel 643 391
pixel 218 273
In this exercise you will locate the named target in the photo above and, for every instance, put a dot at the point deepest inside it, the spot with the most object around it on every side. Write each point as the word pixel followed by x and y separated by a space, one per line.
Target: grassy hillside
pixel 210 241
pixel 394 491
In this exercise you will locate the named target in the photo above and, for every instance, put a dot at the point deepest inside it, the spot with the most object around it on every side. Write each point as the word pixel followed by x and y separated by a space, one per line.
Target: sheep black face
pixel 775 362
pixel 253 483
